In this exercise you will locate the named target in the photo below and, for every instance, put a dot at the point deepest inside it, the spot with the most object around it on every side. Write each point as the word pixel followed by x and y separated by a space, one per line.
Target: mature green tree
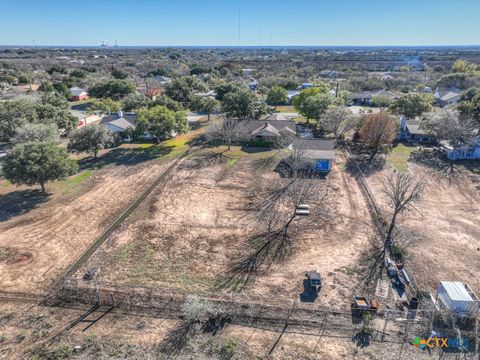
pixel 381 101
pixel 47 113
pixel 162 122
pixel 135 101
pixel 56 100
pixel 243 104
pixel 167 102
pixel 119 73
pixel 36 132
pixel 204 105
pixel 114 89
pixel 90 139
pixel 277 96
pixel 14 114
pixel 78 73
pixel 458 80
pixel 411 105
pixel 183 88
pixel 105 106
pixel 447 124
pixel 337 120
pixel 37 163
pixel 224 88
pixel 313 102
pixel 57 68
pixel 313 107
pixel 46 86
pixel 469 106
pixel 62 88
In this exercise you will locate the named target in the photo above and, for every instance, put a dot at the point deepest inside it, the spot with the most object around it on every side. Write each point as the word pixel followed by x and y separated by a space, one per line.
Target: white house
pixel 457 297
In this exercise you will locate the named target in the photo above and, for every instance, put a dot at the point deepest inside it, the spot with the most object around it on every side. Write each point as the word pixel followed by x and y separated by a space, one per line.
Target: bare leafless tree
pixel 448 125
pixel 274 207
pixel 223 130
pixel 402 192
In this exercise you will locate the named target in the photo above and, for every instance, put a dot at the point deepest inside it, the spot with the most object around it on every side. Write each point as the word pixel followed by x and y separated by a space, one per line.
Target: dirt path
pixel 55 234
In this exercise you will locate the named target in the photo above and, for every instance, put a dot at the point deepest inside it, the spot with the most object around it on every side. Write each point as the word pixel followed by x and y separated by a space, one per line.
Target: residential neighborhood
pixel 192 181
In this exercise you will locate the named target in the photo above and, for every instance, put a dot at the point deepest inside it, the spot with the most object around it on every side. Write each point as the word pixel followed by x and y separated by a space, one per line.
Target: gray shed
pixel 458 297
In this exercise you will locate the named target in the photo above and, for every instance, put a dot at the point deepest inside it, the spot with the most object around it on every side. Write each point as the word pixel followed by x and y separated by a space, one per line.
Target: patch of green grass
pixel 5 183
pixel 286 109
pixel 231 161
pixel 77 180
pixel 399 156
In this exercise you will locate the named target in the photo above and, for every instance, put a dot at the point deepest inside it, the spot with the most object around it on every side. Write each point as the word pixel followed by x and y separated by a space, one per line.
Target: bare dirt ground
pixel 447 228
pixel 188 234
pixel 27 331
pixel 38 245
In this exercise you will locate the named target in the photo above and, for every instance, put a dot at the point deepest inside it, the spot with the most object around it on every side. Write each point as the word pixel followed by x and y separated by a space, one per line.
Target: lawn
pixel 285 109
pixel 399 156
pixel 69 185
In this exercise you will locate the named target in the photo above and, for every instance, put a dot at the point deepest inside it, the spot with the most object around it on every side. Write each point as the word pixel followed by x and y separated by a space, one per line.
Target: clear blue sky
pixel 262 22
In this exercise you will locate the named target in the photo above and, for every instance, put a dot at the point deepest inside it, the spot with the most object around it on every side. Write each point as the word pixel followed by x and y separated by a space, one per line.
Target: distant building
pixel 366 98
pixel 306 85
pixel 253 85
pixel 291 94
pixel 450 96
pixel 78 94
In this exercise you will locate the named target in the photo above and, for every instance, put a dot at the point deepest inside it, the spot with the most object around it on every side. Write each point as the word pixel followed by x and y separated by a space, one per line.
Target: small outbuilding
pixel 78 94
pixel 458 298
pixel 318 154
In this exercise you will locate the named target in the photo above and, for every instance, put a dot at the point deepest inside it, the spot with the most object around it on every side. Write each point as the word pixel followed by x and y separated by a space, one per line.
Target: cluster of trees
pixel 52 109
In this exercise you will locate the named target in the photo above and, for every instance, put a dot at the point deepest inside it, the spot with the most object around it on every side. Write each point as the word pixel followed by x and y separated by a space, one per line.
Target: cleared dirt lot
pixel 448 230
pixel 41 243
pixel 188 234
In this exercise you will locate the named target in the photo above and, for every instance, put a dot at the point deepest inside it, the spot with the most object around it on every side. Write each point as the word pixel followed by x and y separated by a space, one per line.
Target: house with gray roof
pixel 411 131
pixel 264 130
pixel 318 154
pixel 450 96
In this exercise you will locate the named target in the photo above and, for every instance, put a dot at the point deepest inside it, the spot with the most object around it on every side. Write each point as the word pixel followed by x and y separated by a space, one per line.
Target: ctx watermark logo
pixel 440 342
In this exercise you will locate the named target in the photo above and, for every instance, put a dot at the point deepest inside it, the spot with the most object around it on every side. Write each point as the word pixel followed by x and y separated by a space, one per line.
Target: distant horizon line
pixel 242 46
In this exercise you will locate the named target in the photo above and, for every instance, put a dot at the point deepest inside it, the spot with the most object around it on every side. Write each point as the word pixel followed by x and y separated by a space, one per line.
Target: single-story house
pixel 291 94
pixel 449 96
pixel 153 93
pixel 118 123
pixel 78 94
pixel 264 130
pixel 471 152
pixel 458 298
pixel 365 98
pixel 319 154
pixel 85 118
pixel 163 80
pixel 411 131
